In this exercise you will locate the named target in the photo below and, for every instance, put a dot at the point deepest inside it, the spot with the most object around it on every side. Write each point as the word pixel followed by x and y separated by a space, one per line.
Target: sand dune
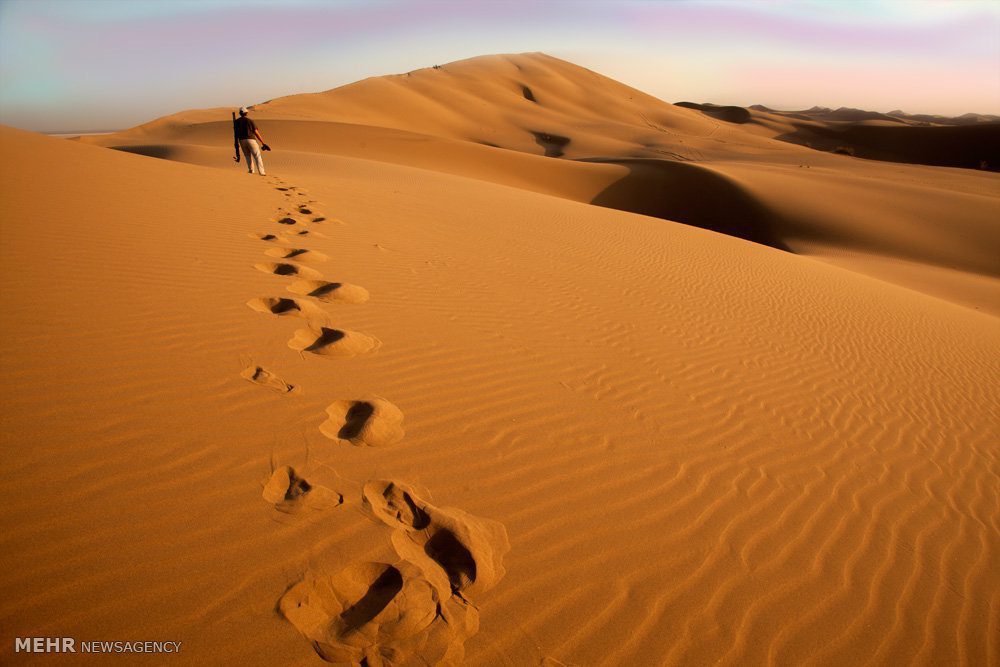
pixel 970 141
pixel 415 399
pixel 845 113
pixel 642 155
pixel 886 137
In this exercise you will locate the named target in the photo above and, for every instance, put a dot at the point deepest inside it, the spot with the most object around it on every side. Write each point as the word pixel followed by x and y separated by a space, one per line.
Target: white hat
pixel 243 111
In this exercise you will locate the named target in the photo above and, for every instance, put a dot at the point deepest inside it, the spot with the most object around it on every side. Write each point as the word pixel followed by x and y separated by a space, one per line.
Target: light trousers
pixel 251 151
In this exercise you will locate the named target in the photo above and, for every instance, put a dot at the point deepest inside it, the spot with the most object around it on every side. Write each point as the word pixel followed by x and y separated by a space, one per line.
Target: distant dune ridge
pixel 507 363
pixel 971 140
pixel 726 169
pixel 845 113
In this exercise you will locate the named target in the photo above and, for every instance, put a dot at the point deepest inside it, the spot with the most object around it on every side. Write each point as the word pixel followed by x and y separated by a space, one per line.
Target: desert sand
pixel 502 363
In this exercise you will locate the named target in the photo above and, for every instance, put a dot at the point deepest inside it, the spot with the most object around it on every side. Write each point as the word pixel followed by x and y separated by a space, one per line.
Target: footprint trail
pixel 416 610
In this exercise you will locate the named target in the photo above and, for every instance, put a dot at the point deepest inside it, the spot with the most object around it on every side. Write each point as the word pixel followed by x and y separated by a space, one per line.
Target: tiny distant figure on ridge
pixel 245 136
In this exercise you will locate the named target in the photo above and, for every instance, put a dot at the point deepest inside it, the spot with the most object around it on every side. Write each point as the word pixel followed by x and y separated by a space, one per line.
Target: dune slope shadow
pixel 729 114
pixel 967 146
pixel 693 195
pixel 553 144
pixel 159 151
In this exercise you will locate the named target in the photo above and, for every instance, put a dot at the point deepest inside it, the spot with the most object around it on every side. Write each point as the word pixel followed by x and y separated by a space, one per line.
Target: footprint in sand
pixel 395 505
pixel 298 254
pixel 329 292
pixel 379 614
pixel 443 541
pixel 373 421
pixel 284 485
pixel 328 342
pixel 287 220
pixel 286 269
pixel 323 220
pixel 267 379
pixel 288 492
pixel 285 307
pixel 411 612
pixel 264 236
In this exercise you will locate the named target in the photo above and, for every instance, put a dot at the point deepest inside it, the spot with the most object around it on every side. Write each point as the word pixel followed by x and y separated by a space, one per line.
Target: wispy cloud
pixel 121 62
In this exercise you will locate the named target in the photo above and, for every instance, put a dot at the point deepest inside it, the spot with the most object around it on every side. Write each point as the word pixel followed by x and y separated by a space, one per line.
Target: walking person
pixel 247 134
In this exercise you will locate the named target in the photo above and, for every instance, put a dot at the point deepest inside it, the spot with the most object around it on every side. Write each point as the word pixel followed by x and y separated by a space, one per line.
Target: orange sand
pixel 470 418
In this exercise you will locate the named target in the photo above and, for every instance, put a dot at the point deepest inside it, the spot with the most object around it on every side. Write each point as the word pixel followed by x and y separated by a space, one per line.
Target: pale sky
pixel 78 65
